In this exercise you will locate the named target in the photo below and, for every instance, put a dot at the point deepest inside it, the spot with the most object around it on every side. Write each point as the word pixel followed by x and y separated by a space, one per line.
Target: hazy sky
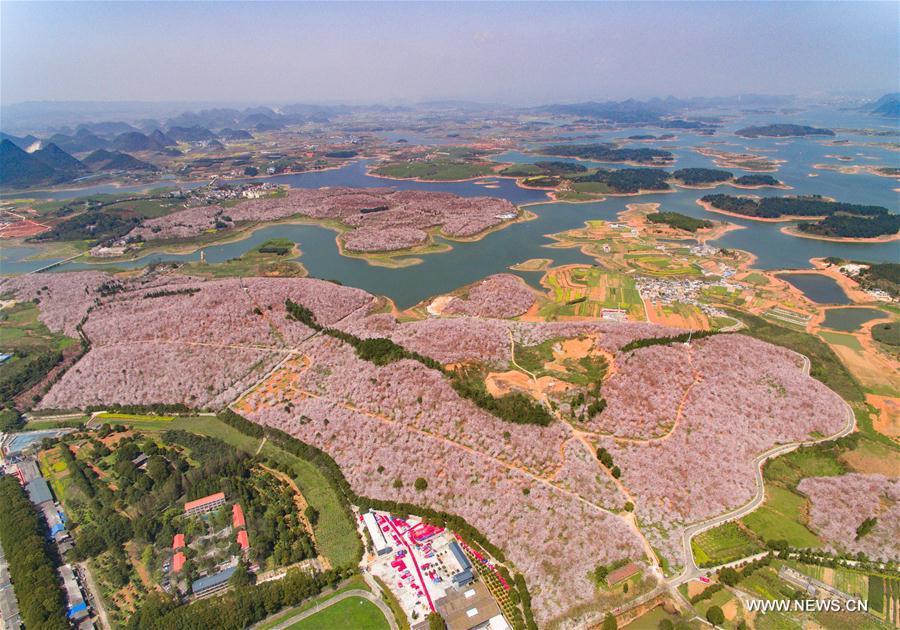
pixel 378 52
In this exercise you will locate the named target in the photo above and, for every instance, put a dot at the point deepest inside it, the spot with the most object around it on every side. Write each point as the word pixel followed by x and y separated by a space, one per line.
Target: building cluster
pixel 811 586
pixel 852 270
pixel 217 581
pixel 428 569
pixel 20 463
pixel 218 191
pixel 686 291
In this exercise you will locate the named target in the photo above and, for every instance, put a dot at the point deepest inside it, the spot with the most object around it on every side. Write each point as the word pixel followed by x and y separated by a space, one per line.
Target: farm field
pixel 586 291
pixel 655 264
pixel 678 315
pixel 722 544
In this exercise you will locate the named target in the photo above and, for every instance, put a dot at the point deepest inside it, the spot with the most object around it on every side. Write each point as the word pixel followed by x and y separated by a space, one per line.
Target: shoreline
pixel 666 164
pixel 174 183
pixel 782 219
pixel 885 238
pixel 635 215
pixel 330 224
pixel 711 186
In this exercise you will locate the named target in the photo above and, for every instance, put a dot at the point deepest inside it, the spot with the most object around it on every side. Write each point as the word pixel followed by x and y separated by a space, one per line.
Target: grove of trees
pixel 32 564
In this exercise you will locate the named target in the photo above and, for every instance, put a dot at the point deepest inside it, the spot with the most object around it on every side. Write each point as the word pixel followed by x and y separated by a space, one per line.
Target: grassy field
pixel 789 469
pixel 354 582
pixel 40 425
pixel 335 532
pixel 841 339
pixel 132 418
pixel 33 347
pixel 756 278
pixel 22 331
pixel 652 619
pixel 272 258
pixel 353 612
pixel 777 518
pixel 147 208
pixel 437 170
pixel 782 515
pixel 722 544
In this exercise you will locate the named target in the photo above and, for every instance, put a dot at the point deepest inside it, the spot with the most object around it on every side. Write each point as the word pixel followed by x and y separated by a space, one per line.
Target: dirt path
pixel 581 436
pixel 679 412
pixel 94 595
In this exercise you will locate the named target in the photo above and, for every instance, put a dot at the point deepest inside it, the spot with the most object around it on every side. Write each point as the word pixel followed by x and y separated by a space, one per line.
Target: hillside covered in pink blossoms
pixel 839 505
pixel 376 219
pixel 501 295
pixel 745 397
pixel 683 424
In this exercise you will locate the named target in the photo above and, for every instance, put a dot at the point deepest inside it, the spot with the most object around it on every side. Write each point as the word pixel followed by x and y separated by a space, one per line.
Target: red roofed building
pixel 237 516
pixel 243 540
pixel 178 561
pixel 622 573
pixel 206 504
pixel 178 542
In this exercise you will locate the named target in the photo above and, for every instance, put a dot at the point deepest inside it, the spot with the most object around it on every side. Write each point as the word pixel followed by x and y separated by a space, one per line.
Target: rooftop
pixel 211 581
pixel 38 491
pixel 237 516
pixel 219 496
pixel 467 608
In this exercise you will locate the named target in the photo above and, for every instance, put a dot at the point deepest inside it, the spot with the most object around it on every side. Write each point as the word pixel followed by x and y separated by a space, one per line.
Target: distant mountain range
pixel 887 106
pixel 137 141
pixel 23 142
pixel 654 110
pixel 103 160
pixel 46 166
pixel 51 165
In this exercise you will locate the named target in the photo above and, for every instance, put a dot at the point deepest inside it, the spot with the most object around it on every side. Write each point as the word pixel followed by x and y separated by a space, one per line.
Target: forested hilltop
pixel 841 220
pixel 782 131
pixel 603 152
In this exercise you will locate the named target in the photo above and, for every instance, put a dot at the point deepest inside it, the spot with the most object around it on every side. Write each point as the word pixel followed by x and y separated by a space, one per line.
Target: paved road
pixel 384 608
pixel 9 606
pixel 691 570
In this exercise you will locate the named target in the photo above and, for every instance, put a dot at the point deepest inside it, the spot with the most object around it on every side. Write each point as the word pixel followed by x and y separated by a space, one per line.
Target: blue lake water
pixel 468 262
pixel 818 288
pixel 850 319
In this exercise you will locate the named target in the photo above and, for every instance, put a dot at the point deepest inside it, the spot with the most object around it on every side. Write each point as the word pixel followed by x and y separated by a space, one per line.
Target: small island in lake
pixel 701 176
pixel 757 181
pixel 711 177
pixel 829 219
pixel 782 131
pixel 604 152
